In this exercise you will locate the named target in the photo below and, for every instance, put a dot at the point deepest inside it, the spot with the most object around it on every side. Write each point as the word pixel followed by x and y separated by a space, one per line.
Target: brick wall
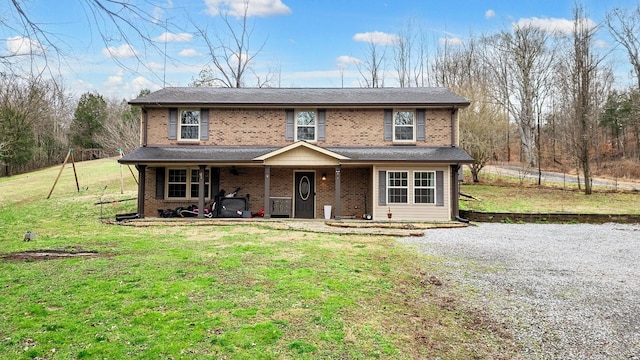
pixel 345 127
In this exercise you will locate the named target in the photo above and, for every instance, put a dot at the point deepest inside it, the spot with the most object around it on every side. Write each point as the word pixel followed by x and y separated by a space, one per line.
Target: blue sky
pixel 309 41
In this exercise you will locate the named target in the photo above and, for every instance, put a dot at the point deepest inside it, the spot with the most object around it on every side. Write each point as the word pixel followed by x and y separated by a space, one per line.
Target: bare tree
pixel 122 127
pixel 372 69
pixel 464 70
pixel 403 57
pixel 116 21
pixel 522 64
pixel 231 56
pixel 624 26
pixel 585 81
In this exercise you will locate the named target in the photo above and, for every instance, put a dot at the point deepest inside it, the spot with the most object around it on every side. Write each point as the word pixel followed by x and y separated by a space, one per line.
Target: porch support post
pixel 338 203
pixel 142 180
pixel 201 169
pixel 267 191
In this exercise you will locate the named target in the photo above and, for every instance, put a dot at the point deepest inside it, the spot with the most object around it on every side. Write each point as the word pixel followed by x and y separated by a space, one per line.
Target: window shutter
pixel 382 188
pixel 322 125
pixel 204 124
pixel 388 125
pixel 420 125
pixel 215 182
pixel 173 123
pixel 439 188
pixel 160 171
pixel 288 133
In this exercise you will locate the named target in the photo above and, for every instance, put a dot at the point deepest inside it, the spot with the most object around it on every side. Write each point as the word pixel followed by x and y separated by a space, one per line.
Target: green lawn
pixel 499 194
pixel 199 292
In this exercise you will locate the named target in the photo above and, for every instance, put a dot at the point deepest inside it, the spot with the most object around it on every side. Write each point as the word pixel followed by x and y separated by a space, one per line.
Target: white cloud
pixel 376 37
pixel 154 66
pixel 121 52
pixel 345 60
pixel 602 44
pixel 552 25
pixel 140 83
pixel 171 37
pixel 489 14
pixel 114 80
pixel 24 46
pixel 454 41
pixel 255 8
pixel 189 53
pixel 157 14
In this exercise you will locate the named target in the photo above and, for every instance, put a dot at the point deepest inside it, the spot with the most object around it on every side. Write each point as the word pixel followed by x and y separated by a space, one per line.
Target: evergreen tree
pixel 88 121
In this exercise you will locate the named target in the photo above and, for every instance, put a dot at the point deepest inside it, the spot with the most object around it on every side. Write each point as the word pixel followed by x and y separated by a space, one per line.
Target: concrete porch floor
pixel 354 227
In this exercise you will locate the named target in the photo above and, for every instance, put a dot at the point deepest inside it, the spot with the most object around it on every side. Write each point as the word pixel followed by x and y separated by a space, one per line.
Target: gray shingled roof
pixel 302 97
pixel 246 154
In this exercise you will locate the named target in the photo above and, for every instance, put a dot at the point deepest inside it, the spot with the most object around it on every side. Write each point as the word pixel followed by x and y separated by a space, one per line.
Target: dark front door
pixel 304 195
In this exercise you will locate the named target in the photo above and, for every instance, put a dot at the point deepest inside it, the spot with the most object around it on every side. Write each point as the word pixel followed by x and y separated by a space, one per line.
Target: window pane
pixel 404 133
pixel 424 179
pixel 194 190
pixel 306 133
pixel 424 196
pixel 194 176
pixel 177 175
pixel 404 118
pixel 398 195
pixel 189 132
pixel 307 118
pixel 190 117
pixel 177 190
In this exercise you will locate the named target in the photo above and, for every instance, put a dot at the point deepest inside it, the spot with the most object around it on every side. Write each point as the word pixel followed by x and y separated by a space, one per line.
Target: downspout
pixel 455 193
pixel 145 119
pixel 454 128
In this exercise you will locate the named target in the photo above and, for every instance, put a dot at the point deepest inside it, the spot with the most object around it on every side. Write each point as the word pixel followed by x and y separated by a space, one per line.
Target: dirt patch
pixel 36 255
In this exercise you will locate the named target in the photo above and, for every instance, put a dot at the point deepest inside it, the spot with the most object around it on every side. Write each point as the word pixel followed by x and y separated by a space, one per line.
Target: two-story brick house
pixel 293 151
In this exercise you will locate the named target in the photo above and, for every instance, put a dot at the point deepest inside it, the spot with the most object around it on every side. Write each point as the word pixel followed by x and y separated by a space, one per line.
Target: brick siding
pixel 266 127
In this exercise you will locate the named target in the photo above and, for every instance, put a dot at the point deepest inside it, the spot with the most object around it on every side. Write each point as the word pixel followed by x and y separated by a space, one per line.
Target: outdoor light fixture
pixel 324 177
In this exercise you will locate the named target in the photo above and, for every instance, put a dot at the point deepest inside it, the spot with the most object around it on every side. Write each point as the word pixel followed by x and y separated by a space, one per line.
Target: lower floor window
pixel 185 183
pixel 397 187
pixel 424 187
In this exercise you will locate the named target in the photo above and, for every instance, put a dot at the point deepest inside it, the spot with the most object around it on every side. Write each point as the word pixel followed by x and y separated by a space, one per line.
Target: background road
pixel 556 177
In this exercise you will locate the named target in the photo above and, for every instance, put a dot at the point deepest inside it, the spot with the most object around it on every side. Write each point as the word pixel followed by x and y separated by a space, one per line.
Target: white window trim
pixel 414 187
pixel 393 122
pixel 180 125
pixel 408 187
pixel 315 124
pixel 188 183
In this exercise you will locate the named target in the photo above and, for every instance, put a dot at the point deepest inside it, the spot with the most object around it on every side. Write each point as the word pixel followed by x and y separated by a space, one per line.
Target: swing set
pixel 75 173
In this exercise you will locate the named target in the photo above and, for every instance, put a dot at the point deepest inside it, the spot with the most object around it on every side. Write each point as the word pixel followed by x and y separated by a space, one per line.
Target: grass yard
pixel 198 292
pixel 500 194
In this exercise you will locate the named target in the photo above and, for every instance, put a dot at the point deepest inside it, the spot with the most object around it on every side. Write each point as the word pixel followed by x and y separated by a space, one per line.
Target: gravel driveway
pixel 563 291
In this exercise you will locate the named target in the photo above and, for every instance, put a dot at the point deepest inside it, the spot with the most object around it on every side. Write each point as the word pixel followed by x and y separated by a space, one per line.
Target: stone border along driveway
pixel 563 291
pixel 358 227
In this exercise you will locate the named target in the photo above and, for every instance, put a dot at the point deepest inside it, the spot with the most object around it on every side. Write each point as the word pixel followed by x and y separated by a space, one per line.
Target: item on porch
pixel 327 212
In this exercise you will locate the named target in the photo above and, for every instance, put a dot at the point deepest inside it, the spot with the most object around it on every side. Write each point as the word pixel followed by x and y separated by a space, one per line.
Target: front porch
pixel 275 191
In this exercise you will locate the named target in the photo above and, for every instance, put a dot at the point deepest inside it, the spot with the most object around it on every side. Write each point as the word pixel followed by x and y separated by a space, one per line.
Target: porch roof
pixel 255 154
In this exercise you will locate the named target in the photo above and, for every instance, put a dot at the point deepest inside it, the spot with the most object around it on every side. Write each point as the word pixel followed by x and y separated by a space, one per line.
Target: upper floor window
pixel 189 124
pixel 404 126
pixel 306 125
